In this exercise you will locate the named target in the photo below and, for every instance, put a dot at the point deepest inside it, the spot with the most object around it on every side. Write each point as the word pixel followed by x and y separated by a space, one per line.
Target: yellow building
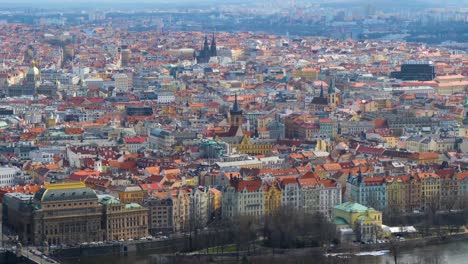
pixel 310 74
pixel 272 198
pixel 390 140
pixel 236 138
pixel 253 146
pixel 215 202
pixel 322 145
pixel 397 192
pixel 463 132
pixel 131 194
pixel 430 190
pixel 382 103
pixel 51 121
pixel 180 210
pixel 365 221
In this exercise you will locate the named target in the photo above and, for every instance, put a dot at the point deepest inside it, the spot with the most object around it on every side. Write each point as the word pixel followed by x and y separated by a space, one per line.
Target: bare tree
pixel 449 201
pixel 394 247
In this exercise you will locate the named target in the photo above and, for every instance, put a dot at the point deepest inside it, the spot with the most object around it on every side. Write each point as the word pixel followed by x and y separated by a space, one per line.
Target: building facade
pixel 67 213
pixel 123 221
pixel 160 214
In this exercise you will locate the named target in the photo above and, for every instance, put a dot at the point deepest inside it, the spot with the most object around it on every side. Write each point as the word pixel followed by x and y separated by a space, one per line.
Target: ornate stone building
pixel 33 85
pixel 66 213
pixel 123 221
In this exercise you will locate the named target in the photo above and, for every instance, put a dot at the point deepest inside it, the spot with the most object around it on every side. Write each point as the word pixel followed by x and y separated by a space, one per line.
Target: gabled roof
pixel 332 166
pixel 288 180
pixel 319 101
pixel 462 175
pixel 232 132
pixel 250 186
pixel 151 187
pixel 424 155
pixel 426 175
pixel 370 150
pixel 374 180
pixel 308 182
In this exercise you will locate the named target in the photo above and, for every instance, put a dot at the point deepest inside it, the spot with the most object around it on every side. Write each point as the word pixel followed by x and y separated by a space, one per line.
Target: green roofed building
pixel 123 221
pixel 365 222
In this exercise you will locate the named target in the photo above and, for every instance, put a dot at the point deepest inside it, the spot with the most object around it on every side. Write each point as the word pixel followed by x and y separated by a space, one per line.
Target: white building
pixel 41 156
pixel 199 210
pixel 319 195
pixel 97 82
pixel 243 198
pixel 134 144
pixel 121 82
pixel 166 98
pixel 290 193
pixel 8 176
pixel 160 139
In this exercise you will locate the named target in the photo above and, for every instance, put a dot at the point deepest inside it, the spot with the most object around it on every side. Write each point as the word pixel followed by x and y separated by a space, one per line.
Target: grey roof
pixel 65 194
pixel 157 132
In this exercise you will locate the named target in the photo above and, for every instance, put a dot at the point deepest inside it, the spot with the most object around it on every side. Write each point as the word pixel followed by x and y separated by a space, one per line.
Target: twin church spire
pixel 207 51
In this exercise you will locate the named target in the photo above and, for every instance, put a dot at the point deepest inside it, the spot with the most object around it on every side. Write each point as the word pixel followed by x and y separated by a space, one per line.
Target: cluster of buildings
pixel 419 191
pixel 146 133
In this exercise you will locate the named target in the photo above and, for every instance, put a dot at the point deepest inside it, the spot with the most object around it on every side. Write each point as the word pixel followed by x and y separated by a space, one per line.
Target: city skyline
pixel 233 131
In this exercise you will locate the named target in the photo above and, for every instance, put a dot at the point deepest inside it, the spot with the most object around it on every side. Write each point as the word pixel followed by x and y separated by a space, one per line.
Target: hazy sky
pixel 134 3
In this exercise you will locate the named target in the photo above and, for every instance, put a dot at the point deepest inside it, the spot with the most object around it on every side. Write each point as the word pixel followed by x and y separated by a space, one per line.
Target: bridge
pixel 37 258
pixel 30 255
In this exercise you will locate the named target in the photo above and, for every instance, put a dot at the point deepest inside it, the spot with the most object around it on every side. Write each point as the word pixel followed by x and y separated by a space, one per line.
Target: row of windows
pixel 69 204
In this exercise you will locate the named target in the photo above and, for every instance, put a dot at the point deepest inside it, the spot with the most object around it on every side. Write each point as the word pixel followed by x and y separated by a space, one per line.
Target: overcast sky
pixel 116 3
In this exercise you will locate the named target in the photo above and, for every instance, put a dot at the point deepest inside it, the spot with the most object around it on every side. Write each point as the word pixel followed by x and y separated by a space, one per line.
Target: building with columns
pixel 66 213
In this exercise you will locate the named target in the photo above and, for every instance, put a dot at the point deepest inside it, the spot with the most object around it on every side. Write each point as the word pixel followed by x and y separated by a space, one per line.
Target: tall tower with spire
pixel 465 110
pixel 333 96
pixel 321 91
pixel 213 51
pixel 236 114
pixel 207 51
pixel 206 47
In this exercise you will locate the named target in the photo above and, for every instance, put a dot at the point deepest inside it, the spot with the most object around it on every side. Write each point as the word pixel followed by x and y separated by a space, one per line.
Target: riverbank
pixel 154 252
pixel 408 244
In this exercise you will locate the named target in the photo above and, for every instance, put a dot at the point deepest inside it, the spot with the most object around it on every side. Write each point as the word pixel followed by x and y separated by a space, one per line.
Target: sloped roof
pixel 108 199
pixel 67 194
pixel 133 206
pixel 250 186
pixel 351 207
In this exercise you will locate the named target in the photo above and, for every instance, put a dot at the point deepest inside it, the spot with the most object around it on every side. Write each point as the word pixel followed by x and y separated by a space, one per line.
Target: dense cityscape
pixel 231 131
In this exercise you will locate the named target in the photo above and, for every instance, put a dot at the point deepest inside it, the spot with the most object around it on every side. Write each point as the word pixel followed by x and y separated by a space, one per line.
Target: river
pixel 450 253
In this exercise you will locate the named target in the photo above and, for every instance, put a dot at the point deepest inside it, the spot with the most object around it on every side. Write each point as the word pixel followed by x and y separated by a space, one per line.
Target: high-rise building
pixel 126 55
pixel 416 71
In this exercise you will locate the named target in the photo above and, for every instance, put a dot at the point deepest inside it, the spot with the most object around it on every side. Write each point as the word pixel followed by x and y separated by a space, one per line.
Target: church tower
pixel 321 91
pixel 333 96
pixel 213 51
pixel 206 47
pixel 465 110
pixel 236 114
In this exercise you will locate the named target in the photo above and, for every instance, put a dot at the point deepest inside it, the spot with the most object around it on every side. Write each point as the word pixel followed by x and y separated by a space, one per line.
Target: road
pixel 26 252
